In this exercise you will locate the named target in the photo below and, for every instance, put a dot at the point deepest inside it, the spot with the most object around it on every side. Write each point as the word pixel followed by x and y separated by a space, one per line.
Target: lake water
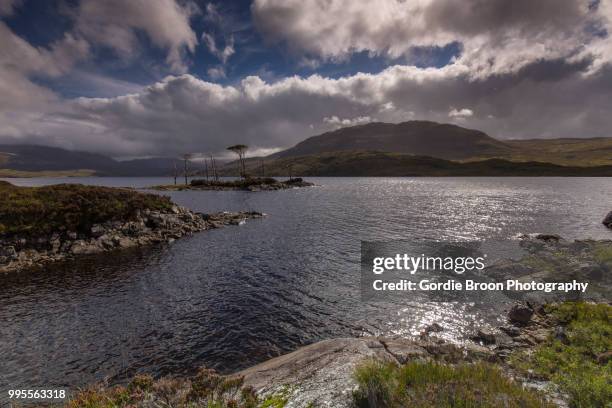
pixel 233 297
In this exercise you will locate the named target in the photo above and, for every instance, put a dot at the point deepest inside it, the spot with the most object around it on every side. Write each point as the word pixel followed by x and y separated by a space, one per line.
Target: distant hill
pixel 384 164
pixel 423 138
pixel 26 160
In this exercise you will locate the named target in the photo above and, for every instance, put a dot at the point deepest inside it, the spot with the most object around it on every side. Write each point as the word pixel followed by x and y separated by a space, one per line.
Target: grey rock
pixel 484 336
pixel 404 350
pixel 520 314
pixel 97 231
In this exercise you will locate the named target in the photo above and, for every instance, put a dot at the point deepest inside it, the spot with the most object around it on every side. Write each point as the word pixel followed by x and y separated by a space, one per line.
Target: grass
pixel 573 363
pixel 206 390
pixel 432 384
pixel 382 164
pixel 36 211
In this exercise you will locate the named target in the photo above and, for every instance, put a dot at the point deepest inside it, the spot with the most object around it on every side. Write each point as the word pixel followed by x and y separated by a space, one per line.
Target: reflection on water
pixel 232 297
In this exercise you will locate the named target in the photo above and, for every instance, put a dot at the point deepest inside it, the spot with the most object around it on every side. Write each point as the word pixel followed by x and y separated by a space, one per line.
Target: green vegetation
pixel 567 152
pixel 579 361
pixel 69 207
pixel 381 164
pixel 206 390
pixel 432 384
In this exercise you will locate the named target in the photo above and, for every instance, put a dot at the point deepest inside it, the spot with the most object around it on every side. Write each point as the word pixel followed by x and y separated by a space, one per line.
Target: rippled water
pixel 230 298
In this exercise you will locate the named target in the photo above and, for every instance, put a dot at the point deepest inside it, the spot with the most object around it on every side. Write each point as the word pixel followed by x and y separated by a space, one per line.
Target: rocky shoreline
pixel 323 374
pixel 147 227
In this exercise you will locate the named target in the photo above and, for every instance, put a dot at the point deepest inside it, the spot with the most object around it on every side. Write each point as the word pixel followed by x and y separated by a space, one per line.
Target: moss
pixel 432 384
pixel 572 362
pixel 42 210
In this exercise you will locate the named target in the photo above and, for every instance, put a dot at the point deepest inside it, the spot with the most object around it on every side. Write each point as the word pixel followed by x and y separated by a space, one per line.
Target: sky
pixel 142 78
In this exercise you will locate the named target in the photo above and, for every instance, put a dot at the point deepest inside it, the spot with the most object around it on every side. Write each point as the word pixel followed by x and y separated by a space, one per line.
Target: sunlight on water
pixel 230 298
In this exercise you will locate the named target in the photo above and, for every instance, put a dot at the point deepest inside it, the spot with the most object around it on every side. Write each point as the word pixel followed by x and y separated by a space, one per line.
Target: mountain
pixel 384 164
pixel 29 159
pixel 423 138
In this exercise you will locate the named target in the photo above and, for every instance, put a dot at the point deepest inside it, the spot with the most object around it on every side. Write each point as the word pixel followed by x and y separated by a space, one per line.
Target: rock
pixel 560 334
pixel 511 331
pixel 520 314
pixel 548 237
pixel 484 336
pixel 72 235
pixel 97 231
pixel 607 221
pixel 81 247
pixel 432 328
pixel 604 357
pixel 8 252
pixel 319 375
pixel 404 350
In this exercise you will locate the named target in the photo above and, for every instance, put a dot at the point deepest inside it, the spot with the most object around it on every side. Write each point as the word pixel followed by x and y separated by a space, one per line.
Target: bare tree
pixel 206 168
pixel 240 150
pixel 175 173
pixel 186 158
pixel 214 168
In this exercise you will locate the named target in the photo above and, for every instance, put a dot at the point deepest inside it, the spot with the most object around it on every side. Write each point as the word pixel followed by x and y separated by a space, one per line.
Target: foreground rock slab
pixel 148 227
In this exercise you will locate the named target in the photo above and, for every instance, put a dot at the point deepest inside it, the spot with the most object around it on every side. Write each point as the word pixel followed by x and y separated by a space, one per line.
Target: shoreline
pixel 41 225
pixel 148 228
pixel 322 374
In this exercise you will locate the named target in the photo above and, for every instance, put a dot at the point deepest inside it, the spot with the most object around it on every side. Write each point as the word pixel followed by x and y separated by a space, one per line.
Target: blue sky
pixel 147 77
pixel 43 22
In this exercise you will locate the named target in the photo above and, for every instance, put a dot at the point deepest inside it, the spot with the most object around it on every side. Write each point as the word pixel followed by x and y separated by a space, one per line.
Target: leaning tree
pixel 240 150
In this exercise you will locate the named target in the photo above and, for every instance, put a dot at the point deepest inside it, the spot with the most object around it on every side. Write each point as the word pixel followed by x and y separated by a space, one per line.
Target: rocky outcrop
pixel 321 374
pixel 147 227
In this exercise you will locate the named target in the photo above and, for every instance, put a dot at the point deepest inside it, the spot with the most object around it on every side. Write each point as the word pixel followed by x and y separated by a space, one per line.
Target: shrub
pixel 72 207
pixel 572 362
pixel 431 384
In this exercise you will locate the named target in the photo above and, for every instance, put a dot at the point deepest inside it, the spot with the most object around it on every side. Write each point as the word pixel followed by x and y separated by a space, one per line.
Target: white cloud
pixel 221 54
pixel 116 23
pixel 496 37
pixel 461 113
pixel 7 7
pixel 338 123
pixel 216 73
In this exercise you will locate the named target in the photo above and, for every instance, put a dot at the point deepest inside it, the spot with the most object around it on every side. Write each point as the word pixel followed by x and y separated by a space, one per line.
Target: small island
pixel 244 184
pixel 39 225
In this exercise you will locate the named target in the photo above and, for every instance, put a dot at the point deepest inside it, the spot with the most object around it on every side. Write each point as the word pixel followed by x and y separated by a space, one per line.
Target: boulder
pixel 484 336
pixel 607 221
pixel 97 231
pixel 520 314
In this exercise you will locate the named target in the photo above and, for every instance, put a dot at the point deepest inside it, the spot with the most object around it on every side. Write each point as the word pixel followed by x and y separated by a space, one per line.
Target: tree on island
pixel 186 158
pixel 240 150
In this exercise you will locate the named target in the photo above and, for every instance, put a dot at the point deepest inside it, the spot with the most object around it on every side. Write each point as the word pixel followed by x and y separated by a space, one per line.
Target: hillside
pixel 34 160
pixel 423 138
pixel 382 164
